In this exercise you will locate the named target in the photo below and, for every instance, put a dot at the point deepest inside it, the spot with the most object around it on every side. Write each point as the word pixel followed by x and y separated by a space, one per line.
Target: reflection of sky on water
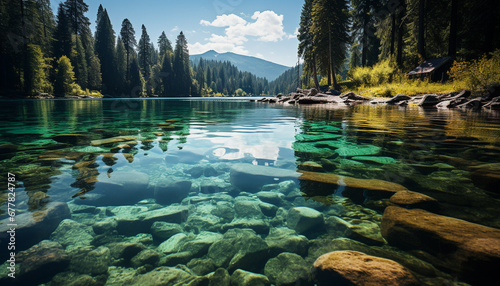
pixel 255 134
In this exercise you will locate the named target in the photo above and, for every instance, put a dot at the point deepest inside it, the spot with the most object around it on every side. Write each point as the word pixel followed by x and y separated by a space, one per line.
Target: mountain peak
pixel 256 66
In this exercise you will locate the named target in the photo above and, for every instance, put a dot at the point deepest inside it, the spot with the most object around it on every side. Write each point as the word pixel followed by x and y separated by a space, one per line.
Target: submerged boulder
pixel 305 220
pixel 471 250
pixel 288 269
pixel 35 226
pixel 356 268
pixel 251 178
pixel 244 278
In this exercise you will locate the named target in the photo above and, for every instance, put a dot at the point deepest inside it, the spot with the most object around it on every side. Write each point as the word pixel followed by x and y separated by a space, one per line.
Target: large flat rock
pixel 471 250
pixel 33 227
pixel 251 178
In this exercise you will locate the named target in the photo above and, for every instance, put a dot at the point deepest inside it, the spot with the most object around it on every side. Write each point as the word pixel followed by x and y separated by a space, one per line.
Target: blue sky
pixel 260 28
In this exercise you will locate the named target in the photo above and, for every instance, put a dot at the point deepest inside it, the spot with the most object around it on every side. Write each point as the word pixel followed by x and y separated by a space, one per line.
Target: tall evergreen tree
pixel 181 67
pixel 65 77
pixel 167 75
pixel 75 11
pixel 63 42
pixel 105 50
pixel 81 72
pixel 121 68
pixel 95 77
pixel 128 37
pixel 144 52
pixel 363 28
pixel 305 36
pixel 329 27
pixel 164 44
pixel 35 78
pixel 136 88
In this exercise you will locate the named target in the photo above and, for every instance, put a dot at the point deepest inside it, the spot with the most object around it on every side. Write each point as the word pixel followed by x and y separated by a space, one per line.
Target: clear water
pixel 184 157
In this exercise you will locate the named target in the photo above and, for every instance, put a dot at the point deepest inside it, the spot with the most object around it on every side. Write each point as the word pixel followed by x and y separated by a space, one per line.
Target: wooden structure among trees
pixel 434 69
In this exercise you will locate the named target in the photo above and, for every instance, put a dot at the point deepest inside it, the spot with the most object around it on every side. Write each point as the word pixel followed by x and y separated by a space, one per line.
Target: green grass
pixel 410 87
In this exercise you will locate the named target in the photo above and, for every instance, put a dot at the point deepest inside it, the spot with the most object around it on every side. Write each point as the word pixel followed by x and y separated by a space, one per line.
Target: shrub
pixel 477 75
pixel 383 72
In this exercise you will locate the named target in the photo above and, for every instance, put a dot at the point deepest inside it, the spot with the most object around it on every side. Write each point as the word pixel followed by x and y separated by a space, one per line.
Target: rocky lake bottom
pixel 214 192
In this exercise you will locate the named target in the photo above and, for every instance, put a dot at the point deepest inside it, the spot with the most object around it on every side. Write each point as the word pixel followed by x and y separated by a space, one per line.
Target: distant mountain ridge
pixel 256 66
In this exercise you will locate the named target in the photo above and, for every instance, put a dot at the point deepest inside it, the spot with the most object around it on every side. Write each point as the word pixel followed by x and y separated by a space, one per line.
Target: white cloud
pixel 295 34
pixel 267 26
pixel 176 28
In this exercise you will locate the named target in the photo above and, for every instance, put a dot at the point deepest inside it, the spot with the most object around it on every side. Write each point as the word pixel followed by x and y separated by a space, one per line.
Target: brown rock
pixel 352 183
pixel 8 148
pixel 112 140
pixel 353 96
pixel 356 268
pixel 487 176
pixel 413 199
pixel 470 250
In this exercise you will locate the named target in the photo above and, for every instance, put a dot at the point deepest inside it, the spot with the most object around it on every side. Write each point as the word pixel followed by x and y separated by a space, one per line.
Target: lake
pixel 107 191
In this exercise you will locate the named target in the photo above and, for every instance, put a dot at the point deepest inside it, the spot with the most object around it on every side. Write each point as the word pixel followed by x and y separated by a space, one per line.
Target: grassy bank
pixel 385 80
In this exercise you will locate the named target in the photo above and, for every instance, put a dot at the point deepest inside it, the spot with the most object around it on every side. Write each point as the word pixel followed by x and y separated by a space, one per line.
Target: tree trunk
pixel 400 34
pixel 393 32
pixel 315 73
pixel 421 29
pixel 330 56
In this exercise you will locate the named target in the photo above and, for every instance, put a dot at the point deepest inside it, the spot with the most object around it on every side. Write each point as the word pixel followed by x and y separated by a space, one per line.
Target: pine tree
pixel 81 72
pixel 121 68
pixel 363 29
pixel 65 77
pixel 181 67
pixel 164 44
pixel 63 42
pixel 94 78
pixel 305 50
pixel 136 87
pixel 167 75
pixel 144 52
pixel 128 37
pixel 329 27
pixel 105 50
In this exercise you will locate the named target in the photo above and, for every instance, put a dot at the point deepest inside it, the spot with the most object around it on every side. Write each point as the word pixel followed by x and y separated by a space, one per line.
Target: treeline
pixel 364 32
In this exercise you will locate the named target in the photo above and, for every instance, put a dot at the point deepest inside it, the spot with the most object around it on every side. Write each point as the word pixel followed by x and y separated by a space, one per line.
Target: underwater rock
pixel 87 260
pixel 173 244
pixel 73 139
pixel 283 239
pixel 312 150
pixel 244 278
pixel 124 251
pixel 470 249
pixel 72 234
pixel 413 200
pixel 353 185
pixel 198 246
pixel 349 150
pixel 74 279
pixel 288 269
pixel 163 276
pixel 275 198
pixel 35 226
pixel 487 177
pixel 337 227
pixel 176 258
pixel 310 166
pixel 8 148
pixel 132 222
pixel 239 248
pixel 108 225
pixel 248 209
pixel 315 136
pixel 257 225
pixel 40 263
pixel 120 188
pixel 365 231
pixel 202 266
pixel 375 159
pixel 267 209
pixel 305 220
pixel 162 231
pixel 356 268
pixel 112 140
pixel 147 256
pixel 251 178
pixel 170 192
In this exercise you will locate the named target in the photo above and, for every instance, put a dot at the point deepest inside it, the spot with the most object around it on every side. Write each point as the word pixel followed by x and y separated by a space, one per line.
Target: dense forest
pixel 335 34
pixel 43 53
